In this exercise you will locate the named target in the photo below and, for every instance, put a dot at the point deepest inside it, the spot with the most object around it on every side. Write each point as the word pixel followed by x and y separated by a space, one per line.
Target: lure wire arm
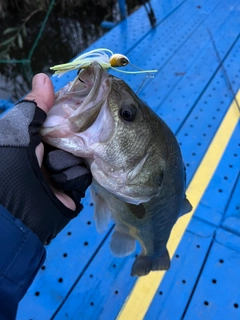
pixel 144 80
pixel 223 69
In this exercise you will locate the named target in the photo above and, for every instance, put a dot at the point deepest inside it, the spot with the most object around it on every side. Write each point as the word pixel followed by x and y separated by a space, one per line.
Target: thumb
pixel 42 92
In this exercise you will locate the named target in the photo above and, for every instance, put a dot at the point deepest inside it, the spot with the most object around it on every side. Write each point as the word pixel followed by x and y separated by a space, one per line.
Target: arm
pixel 19 247
pixel 35 204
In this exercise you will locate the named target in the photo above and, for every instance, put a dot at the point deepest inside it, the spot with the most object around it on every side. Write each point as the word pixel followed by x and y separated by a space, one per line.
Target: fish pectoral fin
pixel 137 169
pixel 102 215
pixel 122 244
pixel 137 210
pixel 186 207
pixel 144 264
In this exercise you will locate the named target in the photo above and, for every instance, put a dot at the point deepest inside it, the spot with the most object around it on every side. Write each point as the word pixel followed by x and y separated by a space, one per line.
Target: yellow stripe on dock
pixel 139 300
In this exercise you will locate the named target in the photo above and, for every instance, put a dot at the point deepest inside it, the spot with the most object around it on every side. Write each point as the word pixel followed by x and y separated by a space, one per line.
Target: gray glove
pixel 24 190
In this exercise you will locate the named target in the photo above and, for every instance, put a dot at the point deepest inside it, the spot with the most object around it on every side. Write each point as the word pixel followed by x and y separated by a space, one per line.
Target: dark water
pixel 66 34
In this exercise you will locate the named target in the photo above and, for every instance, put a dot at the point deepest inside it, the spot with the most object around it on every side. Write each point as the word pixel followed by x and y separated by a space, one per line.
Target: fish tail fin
pixel 122 244
pixel 162 262
pixel 144 264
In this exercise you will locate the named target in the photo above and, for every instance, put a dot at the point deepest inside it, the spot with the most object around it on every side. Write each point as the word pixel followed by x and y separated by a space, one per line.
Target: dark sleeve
pixel 21 256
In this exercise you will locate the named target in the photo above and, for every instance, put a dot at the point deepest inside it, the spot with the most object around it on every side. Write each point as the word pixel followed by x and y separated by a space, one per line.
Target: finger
pixel 77 177
pixel 65 199
pixel 39 151
pixel 59 160
pixel 42 92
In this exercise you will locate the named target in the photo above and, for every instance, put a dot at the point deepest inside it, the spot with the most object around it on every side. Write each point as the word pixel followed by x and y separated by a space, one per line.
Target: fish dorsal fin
pixel 102 215
pixel 137 210
pixel 122 244
pixel 186 206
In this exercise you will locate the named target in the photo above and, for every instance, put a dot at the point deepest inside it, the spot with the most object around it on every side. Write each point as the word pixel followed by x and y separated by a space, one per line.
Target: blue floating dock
pixel 80 278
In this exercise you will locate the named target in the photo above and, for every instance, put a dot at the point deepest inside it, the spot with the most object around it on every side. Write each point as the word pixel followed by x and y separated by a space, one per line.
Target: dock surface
pixel 196 94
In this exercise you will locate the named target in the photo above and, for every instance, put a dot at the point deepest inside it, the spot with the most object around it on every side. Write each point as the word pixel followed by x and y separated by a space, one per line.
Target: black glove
pixel 67 173
pixel 24 189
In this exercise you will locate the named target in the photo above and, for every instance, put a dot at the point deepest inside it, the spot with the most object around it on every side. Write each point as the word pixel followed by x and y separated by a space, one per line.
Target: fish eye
pixel 128 112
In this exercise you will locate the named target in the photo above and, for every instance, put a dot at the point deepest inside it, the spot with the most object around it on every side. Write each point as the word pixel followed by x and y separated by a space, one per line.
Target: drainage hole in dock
pixel 160 293
pixel 91 276
pixel 206 303
pixel 69 233
pixel 92 304
pixel 86 243
pixel 116 292
pixel 37 293
pixel 43 267
pixel 184 281
pixel 236 305
pixel 221 260
pixel 60 280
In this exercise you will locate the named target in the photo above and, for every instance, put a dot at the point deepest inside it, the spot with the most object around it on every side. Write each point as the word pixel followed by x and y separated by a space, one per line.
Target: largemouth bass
pixel 136 163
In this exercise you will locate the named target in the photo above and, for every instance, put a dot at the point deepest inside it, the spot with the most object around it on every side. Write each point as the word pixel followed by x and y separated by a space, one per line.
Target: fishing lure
pixel 105 57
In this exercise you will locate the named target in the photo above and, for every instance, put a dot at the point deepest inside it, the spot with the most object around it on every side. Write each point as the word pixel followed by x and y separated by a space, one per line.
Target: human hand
pixel 25 190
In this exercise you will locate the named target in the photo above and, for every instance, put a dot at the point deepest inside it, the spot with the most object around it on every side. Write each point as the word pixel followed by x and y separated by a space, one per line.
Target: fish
pixel 139 177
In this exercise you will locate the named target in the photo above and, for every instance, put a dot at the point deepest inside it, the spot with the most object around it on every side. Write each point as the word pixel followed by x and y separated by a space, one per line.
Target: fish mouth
pixel 77 106
pixel 97 80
